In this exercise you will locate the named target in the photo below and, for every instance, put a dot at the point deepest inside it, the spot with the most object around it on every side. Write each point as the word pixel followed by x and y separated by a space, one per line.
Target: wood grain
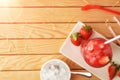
pixel 60 3
pixel 29 15
pixel 35 46
pixel 32 32
pixel 48 31
pixel 35 75
pixel 35 30
pixel 31 62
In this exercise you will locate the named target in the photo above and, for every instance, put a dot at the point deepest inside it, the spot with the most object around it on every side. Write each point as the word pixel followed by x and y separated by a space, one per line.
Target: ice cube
pixel 90 47
pixel 101 45
pixel 92 60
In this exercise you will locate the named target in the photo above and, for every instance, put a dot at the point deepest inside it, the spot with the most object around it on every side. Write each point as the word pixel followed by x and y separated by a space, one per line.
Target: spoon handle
pixel 87 74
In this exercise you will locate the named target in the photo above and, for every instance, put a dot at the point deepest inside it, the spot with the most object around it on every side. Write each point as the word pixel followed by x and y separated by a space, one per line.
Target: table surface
pixel 32 32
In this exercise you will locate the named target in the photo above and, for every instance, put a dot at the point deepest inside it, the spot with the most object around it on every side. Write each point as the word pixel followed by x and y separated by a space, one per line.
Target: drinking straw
pixel 113 33
pixel 111 40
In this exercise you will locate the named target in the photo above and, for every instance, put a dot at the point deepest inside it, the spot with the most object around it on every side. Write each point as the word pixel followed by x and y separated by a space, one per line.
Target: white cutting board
pixel 73 53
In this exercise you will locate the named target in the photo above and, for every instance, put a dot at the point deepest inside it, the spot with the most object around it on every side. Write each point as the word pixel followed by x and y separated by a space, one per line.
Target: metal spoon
pixel 87 74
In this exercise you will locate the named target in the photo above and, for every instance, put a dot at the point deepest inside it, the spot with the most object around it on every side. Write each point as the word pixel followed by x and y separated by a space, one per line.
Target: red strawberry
pixel 86 32
pixel 112 70
pixel 76 38
pixel 118 72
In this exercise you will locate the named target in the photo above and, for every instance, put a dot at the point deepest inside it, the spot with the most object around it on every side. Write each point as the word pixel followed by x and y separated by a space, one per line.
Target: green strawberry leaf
pixel 75 35
pixel 87 27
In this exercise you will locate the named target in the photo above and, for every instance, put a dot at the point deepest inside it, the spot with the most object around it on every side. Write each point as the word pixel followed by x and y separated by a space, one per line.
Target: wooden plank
pixel 53 30
pixel 35 46
pixel 59 3
pixel 35 30
pixel 31 62
pixel 20 75
pixel 30 15
pixel 35 75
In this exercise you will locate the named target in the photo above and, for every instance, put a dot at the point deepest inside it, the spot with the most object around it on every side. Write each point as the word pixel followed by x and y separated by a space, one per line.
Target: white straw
pixel 113 33
pixel 116 19
pixel 111 40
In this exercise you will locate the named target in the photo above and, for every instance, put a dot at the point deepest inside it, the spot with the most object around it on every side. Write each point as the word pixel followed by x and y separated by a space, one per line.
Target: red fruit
pixel 112 70
pixel 76 39
pixel 104 60
pixel 96 53
pixel 118 72
pixel 86 32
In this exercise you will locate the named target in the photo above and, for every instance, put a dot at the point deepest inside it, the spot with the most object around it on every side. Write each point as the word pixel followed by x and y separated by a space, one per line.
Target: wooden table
pixel 32 32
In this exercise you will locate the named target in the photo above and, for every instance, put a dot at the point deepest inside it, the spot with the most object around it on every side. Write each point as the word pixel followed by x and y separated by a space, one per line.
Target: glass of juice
pixel 96 53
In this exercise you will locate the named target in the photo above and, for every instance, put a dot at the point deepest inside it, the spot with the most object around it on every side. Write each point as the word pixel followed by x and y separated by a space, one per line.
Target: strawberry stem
pixel 118 68
pixel 75 35
pixel 87 27
pixel 113 64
